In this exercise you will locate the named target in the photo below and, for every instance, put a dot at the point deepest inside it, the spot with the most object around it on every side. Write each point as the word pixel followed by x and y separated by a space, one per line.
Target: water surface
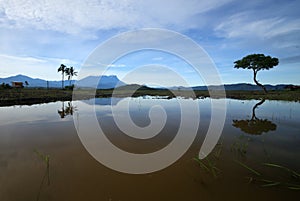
pixel 268 134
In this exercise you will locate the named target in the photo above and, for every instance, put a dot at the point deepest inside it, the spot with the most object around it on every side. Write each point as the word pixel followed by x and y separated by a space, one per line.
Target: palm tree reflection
pixel 255 126
pixel 66 110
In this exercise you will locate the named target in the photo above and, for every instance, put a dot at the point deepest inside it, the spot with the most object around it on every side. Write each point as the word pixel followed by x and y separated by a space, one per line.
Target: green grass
pixel 46 160
pixel 248 168
pixel 209 164
pixel 240 145
pixel 292 181
pixel 293 173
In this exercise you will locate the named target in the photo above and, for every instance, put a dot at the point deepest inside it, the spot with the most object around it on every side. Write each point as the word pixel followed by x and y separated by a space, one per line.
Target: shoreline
pixel 30 96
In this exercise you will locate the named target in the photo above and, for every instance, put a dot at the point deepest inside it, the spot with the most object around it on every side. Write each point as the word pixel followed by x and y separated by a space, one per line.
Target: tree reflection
pixel 255 126
pixel 66 110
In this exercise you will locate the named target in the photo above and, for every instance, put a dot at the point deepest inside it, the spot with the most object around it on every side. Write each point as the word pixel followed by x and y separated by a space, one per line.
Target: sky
pixel 36 36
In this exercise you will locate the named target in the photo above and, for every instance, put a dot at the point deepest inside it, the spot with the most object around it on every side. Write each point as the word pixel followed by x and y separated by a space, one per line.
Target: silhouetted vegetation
pixel 68 71
pixel 62 69
pixel 257 62
pixel 5 86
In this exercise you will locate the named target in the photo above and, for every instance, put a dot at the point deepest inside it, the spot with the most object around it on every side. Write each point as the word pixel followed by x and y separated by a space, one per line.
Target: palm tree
pixel 70 72
pixel 62 69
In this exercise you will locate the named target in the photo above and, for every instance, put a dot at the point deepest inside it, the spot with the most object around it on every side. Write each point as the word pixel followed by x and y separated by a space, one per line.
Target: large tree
pixel 62 69
pixel 257 62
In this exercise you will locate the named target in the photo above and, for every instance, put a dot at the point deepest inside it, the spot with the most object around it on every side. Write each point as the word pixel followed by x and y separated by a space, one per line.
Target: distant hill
pixel 31 81
pixel 240 86
pixel 246 87
pixel 105 82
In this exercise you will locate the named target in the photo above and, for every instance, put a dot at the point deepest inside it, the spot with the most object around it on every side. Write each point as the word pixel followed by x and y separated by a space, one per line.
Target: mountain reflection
pixel 255 126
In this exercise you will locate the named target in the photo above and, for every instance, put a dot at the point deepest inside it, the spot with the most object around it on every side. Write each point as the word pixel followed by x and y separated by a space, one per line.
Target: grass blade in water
pixel 271 184
pixel 202 164
pixel 282 167
pixel 248 168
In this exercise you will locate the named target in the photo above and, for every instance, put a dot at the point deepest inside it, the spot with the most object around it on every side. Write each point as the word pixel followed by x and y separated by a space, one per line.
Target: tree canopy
pixel 62 69
pixel 257 62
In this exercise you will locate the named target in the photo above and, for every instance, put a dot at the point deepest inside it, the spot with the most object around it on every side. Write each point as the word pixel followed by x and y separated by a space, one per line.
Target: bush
pixel 5 86
pixel 69 87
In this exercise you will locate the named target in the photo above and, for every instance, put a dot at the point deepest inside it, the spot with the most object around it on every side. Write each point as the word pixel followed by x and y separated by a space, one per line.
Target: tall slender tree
pixel 70 72
pixel 257 62
pixel 62 69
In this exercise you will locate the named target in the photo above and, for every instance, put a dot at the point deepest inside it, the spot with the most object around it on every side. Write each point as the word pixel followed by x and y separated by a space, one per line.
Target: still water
pixel 256 158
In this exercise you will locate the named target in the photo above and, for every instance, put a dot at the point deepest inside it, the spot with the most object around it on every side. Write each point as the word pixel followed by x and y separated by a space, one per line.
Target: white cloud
pixel 22 59
pixel 112 65
pixel 157 58
pixel 79 16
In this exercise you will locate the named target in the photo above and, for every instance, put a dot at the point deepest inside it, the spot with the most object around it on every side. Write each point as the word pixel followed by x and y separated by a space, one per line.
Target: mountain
pixel 243 86
pixel 239 86
pixel 31 81
pixel 105 82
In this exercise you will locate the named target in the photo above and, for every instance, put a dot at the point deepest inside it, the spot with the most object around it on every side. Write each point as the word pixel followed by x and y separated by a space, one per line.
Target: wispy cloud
pixel 157 58
pixel 291 60
pixel 45 68
pixel 243 25
pixel 112 65
pixel 22 59
pixel 79 16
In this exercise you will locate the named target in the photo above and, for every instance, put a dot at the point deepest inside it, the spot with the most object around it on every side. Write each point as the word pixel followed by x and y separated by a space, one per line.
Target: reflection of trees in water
pixel 66 110
pixel 255 126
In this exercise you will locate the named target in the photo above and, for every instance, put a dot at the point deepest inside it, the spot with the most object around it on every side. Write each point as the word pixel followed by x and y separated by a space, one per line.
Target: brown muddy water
pixel 257 157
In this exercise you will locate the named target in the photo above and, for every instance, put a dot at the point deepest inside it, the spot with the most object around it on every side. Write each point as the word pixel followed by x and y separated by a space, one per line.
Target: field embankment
pixel 29 96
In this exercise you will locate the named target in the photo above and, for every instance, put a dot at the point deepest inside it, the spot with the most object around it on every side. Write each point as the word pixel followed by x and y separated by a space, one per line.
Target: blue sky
pixel 37 36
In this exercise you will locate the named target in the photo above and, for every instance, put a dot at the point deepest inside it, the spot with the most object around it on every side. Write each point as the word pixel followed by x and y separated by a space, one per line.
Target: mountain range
pixel 106 82
pixel 112 81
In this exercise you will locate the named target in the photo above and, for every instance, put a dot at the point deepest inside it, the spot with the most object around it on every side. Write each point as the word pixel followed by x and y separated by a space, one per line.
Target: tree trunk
pixel 259 84
pixel 62 80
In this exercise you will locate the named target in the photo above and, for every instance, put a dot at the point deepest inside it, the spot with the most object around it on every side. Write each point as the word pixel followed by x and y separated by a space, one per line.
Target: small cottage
pixel 17 84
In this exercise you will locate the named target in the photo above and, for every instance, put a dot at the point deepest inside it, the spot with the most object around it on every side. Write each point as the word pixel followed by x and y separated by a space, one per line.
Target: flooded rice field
pixel 42 156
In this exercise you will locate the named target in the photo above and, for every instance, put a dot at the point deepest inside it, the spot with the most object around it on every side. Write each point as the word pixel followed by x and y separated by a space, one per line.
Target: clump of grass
pixel 293 173
pixel 46 159
pixel 240 145
pixel 267 181
pixel 209 163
